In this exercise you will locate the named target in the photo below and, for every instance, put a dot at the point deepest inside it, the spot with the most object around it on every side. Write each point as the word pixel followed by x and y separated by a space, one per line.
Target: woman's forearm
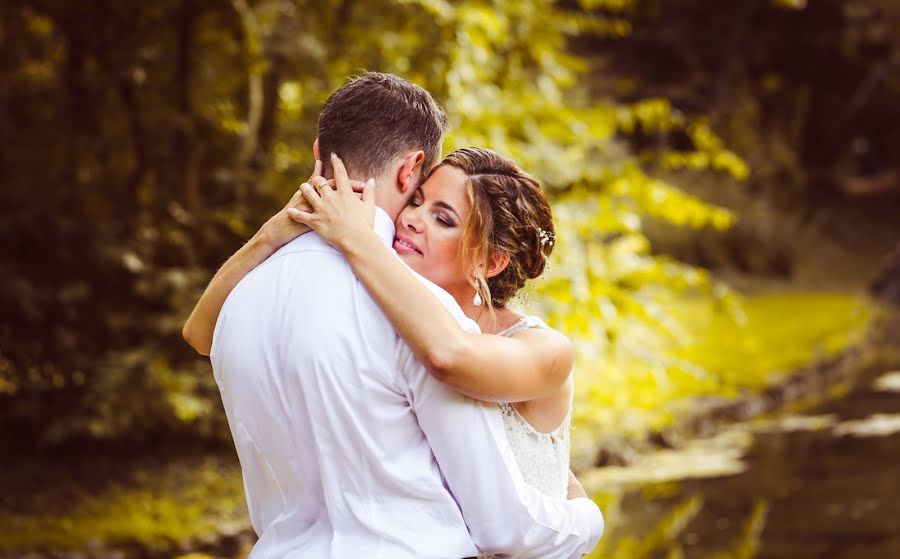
pixel 198 330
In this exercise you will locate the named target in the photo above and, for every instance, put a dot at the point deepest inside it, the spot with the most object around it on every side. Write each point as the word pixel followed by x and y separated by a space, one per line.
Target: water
pixel 825 484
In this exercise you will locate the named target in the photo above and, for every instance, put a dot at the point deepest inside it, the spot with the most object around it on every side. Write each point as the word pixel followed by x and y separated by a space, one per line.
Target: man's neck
pixel 384 226
pixel 387 192
pixel 388 197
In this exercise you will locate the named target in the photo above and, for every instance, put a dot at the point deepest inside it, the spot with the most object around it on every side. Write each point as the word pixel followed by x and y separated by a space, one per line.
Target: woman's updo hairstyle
pixel 510 214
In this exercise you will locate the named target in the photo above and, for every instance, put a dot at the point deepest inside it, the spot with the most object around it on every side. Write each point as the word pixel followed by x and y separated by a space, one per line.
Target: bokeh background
pixel 725 183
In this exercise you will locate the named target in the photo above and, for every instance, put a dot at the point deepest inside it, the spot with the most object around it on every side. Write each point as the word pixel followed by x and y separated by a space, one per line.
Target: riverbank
pixel 813 479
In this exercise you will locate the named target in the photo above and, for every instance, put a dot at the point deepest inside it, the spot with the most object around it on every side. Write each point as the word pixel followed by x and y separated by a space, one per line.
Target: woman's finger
pixel 311 196
pixel 319 183
pixel 355 185
pixel 325 190
pixel 306 218
pixel 299 202
pixel 297 196
pixel 368 196
pixel 317 169
pixel 340 174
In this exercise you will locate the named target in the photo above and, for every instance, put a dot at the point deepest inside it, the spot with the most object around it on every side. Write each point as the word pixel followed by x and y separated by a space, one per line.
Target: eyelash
pixel 444 222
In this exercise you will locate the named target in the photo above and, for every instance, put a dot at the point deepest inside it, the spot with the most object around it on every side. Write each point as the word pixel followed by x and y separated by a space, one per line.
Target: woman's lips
pixel 404 246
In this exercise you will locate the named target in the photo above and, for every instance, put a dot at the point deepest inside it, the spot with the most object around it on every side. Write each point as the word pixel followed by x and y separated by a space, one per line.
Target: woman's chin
pixel 412 260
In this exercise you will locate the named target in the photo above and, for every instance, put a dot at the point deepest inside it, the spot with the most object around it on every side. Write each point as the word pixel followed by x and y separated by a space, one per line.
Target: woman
pixel 479 228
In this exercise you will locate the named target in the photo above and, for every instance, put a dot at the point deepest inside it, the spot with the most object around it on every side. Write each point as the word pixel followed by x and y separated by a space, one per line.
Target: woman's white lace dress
pixel 543 458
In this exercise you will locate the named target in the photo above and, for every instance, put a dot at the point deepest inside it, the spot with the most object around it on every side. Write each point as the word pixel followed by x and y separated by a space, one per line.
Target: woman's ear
pixel 498 262
pixel 316 149
pixel 410 170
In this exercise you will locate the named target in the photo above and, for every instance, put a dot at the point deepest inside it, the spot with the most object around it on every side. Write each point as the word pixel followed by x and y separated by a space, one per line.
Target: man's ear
pixel 498 262
pixel 316 149
pixel 410 165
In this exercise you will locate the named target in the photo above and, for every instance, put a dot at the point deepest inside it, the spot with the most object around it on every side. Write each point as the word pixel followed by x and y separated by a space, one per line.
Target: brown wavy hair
pixel 509 211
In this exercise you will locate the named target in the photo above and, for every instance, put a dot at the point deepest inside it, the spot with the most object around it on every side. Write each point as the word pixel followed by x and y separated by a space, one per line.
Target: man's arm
pixel 504 515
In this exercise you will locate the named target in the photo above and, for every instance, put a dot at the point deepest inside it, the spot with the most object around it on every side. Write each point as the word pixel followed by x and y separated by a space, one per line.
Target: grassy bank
pixel 157 502
pixel 715 354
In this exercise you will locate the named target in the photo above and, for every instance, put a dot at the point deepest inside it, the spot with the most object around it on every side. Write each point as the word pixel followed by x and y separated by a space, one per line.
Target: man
pixel 348 448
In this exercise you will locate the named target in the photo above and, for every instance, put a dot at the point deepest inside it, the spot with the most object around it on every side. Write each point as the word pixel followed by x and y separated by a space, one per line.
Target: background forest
pixel 725 179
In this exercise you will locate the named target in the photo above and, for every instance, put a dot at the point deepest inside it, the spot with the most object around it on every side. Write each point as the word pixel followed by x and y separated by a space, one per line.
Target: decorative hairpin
pixel 547 237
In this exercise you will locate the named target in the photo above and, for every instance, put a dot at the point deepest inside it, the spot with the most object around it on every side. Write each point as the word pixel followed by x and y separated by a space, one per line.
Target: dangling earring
pixel 476 300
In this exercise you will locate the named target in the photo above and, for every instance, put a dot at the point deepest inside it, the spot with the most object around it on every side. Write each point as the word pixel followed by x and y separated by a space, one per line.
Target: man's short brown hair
pixel 375 118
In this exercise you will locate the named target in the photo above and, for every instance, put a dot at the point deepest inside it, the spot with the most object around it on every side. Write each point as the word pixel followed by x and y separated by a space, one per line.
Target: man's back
pixel 334 461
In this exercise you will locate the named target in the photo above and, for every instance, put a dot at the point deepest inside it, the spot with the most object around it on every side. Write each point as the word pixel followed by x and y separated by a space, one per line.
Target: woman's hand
pixel 280 229
pixel 338 216
pixel 575 489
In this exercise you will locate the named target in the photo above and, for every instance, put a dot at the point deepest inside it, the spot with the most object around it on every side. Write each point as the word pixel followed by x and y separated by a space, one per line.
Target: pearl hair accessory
pixel 547 237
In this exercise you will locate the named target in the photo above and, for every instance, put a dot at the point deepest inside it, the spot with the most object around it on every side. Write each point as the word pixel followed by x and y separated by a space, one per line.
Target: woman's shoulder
pixel 542 337
pixel 510 322
pixel 532 324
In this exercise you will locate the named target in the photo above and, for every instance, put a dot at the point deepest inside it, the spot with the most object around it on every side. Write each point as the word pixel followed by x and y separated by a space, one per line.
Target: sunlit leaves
pixel 290 96
pixel 611 5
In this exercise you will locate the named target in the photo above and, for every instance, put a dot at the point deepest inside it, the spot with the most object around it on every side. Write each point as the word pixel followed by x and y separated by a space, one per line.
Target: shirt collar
pixel 384 226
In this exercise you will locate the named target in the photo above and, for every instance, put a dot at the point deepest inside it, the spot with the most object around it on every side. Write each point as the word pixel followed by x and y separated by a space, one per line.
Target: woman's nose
pixel 412 220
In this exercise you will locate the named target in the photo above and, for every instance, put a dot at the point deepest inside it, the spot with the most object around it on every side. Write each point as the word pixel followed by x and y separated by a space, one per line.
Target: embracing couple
pixel 383 399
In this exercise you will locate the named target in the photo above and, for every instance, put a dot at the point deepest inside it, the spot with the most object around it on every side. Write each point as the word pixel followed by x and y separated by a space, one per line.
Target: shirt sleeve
pixel 504 515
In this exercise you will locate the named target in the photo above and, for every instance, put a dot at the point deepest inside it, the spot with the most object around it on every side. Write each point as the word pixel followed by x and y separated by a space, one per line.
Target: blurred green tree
pixel 144 142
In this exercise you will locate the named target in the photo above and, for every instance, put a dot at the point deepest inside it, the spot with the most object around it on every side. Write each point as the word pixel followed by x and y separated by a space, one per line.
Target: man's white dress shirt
pixel 349 448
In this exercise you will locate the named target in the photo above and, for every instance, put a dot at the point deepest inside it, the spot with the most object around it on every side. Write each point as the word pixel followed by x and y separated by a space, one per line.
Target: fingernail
pixel 333 156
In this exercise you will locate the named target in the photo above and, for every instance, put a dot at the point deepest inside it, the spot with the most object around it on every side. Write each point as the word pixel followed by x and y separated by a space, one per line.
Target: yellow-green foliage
pixel 627 388
pixel 154 507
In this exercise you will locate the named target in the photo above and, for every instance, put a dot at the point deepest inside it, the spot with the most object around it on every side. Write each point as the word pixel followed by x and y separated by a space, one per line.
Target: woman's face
pixel 430 228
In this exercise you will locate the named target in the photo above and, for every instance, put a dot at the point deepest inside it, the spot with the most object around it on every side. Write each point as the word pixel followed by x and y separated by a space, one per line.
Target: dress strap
pixel 524 323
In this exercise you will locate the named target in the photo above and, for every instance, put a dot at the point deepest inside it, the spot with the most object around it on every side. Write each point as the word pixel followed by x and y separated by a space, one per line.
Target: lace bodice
pixel 543 458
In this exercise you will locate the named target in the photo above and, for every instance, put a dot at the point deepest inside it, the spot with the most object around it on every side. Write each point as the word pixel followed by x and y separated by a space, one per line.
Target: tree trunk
pixel 184 145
